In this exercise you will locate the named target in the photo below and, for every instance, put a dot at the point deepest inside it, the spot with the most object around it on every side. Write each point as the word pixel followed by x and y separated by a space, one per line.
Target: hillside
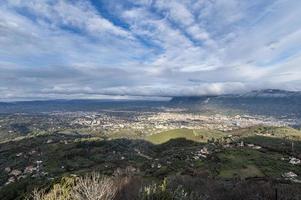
pixel 198 135
pixel 43 160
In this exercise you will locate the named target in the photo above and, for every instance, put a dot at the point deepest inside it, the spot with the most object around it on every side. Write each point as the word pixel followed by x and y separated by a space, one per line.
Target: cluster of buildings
pixel 158 121
pixel 34 170
pixel 109 121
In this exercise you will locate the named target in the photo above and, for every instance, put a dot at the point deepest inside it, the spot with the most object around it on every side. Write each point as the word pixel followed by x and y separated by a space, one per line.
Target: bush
pixel 59 191
pixel 90 187
pixel 162 192
pixel 94 187
pixel 155 192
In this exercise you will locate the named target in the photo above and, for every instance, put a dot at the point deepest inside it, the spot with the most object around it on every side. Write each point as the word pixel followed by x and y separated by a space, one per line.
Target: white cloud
pixel 79 14
pixel 148 47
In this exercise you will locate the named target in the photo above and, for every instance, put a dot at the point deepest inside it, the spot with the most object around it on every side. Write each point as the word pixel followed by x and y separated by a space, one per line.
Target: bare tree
pixel 94 187
pixel 90 187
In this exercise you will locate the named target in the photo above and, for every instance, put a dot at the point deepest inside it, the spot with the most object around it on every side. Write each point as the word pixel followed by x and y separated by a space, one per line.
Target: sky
pixel 53 49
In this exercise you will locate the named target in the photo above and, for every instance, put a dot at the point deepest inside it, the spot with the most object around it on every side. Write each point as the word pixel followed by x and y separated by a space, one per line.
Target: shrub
pixel 94 187
pixel 59 191
pixel 156 192
pixel 162 192
pixel 90 187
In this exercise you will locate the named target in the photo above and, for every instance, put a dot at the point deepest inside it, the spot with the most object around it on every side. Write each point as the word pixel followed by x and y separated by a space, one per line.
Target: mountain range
pixel 274 102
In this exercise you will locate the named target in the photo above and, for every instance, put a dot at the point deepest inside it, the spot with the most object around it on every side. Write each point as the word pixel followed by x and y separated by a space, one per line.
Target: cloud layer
pixel 84 49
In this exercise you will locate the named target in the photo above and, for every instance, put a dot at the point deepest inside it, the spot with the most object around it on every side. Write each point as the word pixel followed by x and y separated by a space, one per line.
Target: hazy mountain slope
pixel 265 102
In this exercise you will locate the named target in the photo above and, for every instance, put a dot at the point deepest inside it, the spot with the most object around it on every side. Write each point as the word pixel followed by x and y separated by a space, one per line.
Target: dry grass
pixel 94 187
pixel 57 193
pixel 90 187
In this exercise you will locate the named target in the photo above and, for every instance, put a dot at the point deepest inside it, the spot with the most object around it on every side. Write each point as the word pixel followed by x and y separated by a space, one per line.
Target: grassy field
pixel 165 136
pixel 199 135
pixel 278 132
pixel 245 163
pixel 282 132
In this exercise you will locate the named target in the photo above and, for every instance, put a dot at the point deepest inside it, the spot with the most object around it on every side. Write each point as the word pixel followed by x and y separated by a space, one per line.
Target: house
pixel 294 161
pixel 15 172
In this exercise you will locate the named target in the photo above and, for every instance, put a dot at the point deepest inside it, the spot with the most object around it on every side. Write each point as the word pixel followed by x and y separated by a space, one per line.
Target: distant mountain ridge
pixel 74 105
pixel 262 102
pixel 270 102
pixel 273 93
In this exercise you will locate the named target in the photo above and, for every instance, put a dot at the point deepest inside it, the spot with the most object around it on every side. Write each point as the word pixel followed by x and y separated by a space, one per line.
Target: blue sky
pixel 162 48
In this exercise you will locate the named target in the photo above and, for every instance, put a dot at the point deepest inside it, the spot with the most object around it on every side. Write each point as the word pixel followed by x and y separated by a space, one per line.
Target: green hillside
pixel 199 135
pixel 42 161
pixel 171 134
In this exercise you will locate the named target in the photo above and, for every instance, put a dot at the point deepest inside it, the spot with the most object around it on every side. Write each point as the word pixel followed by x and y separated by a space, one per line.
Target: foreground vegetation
pixel 96 187
pixel 179 164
